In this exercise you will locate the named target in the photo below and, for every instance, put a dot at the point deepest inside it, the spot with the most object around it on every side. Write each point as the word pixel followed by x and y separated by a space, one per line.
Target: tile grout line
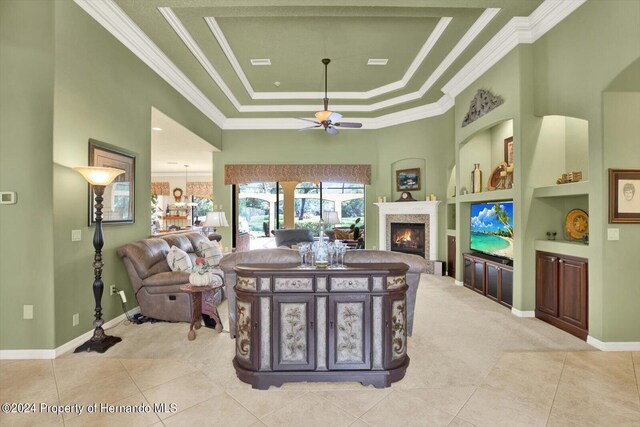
pixel 564 361
pixel 55 379
pixel 138 387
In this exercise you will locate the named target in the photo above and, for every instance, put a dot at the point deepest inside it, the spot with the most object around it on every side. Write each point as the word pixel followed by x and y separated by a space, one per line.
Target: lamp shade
pixel 330 217
pixel 215 219
pixel 97 175
pixel 323 115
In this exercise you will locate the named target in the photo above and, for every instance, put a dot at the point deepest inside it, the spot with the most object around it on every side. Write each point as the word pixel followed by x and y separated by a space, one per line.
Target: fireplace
pixel 408 238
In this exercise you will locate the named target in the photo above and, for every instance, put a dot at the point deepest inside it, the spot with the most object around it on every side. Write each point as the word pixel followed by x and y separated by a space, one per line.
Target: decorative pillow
pixel 211 252
pixel 179 260
pixel 344 235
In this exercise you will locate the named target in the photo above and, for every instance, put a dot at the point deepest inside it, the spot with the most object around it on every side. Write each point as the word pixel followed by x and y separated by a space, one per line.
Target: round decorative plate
pixel 576 224
pixel 494 179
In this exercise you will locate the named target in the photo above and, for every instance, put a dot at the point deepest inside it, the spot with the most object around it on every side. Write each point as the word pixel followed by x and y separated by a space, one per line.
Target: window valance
pixel 242 174
pixel 200 189
pixel 160 188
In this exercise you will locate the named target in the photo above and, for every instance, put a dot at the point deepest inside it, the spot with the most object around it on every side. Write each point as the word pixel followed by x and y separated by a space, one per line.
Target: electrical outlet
pixel 122 297
pixel 76 235
pixel 613 234
pixel 112 290
pixel 27 312
pixel 76 319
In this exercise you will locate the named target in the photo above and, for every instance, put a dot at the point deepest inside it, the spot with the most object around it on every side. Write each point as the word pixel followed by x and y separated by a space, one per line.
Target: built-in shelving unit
pixel 451 200
pixel 563 190
pixel 564 247
pixel 487 196
pixel 451 232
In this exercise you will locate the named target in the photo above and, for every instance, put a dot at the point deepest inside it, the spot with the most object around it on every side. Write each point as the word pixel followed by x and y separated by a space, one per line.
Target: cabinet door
pixel 246 331
pixel 395 322
pixel 478 276
pixel 492 281
pixel 572 286
pixel 468 272
pixel 349 331
pixel 451 256
pixel 547 283
pixel 506 287
pixel 293 332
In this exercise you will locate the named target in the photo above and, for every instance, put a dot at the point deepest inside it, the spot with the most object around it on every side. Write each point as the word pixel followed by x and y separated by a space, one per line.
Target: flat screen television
pixel 492 228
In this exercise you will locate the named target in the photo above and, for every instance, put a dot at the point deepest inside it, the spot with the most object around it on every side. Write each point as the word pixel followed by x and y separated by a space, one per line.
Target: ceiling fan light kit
pixel 326 118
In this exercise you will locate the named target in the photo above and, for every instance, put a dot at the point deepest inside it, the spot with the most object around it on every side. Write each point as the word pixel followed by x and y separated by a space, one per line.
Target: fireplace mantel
pixel 410 208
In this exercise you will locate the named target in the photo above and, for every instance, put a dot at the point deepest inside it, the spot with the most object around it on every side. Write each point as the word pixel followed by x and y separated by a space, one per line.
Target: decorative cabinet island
pixel 333 325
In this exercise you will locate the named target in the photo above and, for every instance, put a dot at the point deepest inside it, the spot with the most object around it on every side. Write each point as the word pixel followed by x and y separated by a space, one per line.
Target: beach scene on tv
pixel 492 228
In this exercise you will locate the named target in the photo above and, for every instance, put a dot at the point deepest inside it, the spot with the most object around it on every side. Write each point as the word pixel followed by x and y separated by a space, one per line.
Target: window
pixel 256 208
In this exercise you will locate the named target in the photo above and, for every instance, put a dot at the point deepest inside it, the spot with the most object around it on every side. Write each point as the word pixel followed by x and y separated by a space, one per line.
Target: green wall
pixel 426 141
pixel 96 89
pixel 26 134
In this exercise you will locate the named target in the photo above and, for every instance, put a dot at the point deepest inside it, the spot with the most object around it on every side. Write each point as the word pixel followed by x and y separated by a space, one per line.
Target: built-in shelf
pixel 451 200
pixel 451 232
pixel 486 196
pixel 564 247
pixel 563 190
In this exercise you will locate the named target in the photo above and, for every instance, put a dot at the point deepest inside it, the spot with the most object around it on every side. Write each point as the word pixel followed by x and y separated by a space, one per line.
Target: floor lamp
pixel 99 178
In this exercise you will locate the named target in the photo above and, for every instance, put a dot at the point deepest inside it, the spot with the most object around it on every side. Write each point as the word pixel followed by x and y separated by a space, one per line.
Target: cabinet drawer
pixel 349 284
pixel 295 284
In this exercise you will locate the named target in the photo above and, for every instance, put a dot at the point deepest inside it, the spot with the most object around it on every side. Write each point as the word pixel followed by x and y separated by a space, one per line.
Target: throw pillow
pixel 211 252
pixel 179 260
pixel 343 235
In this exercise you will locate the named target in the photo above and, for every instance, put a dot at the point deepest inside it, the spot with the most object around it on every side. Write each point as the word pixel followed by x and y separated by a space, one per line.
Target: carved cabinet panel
pixel 395 327
pixel 246 331
pixel 293 335
pixel 349 331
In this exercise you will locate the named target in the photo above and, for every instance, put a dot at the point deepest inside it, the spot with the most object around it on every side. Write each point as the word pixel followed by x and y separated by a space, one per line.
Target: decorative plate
pixel 494 179
pixel 576 224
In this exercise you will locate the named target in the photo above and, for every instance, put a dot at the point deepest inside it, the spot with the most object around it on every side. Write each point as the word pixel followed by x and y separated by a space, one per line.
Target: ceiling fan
pixel 328 119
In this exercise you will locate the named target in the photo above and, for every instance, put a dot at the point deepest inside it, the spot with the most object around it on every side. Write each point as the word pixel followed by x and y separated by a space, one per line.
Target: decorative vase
pixel 476 179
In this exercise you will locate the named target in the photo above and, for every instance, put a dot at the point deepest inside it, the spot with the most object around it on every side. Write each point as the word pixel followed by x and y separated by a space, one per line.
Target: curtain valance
pixel 160 188
pixel 200 189
pixel 242 174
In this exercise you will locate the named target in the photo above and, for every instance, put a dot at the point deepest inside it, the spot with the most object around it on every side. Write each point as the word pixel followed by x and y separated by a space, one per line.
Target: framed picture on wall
pixel 508 150
pixel 119 196
pixel 624 196
pixel 408 179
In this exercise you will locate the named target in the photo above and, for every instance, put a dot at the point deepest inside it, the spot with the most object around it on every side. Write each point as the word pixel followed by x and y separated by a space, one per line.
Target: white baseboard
pixel 613 346
pixel 52 354
pixel 458 283
pixel 525 313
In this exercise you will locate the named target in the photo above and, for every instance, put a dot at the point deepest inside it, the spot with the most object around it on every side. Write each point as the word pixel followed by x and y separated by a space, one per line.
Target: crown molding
pixel 114 20
pixel 518 30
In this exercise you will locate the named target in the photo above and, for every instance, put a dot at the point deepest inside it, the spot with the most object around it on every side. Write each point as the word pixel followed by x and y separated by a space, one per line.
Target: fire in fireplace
pixel 408 238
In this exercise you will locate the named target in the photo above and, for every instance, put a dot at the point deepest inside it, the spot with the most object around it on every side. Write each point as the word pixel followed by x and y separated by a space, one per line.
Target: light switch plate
pixel 76 319
pixel 613 234
pixel 76 235
pixel 27 312
pixel 8 198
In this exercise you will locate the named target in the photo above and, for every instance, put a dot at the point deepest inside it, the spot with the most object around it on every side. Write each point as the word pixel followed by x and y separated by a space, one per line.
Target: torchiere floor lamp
pixel 99 178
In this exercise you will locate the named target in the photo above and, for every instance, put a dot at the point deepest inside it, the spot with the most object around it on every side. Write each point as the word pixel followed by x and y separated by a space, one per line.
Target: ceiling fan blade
pixel 332 131
pixel 349 125
pixel 334 117
pixel 311 127
pixel 308 120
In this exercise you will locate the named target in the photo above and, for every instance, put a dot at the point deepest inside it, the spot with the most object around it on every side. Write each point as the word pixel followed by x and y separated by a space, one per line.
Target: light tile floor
pixel 472 364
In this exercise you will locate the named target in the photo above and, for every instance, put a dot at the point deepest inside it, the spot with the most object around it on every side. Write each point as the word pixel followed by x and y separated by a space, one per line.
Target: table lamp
pixel 215 219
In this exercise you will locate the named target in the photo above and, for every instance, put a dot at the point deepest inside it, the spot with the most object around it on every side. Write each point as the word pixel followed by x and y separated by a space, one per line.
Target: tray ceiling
pixel 435 48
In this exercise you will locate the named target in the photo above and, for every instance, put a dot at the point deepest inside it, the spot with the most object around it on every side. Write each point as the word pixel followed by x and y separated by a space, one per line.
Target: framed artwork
pixel 119 196
pixel 508 150
pixel 624 196
pixel 408 179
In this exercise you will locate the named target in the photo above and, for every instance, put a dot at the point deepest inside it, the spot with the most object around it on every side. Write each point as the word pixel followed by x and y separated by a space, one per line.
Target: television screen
pixel 492 228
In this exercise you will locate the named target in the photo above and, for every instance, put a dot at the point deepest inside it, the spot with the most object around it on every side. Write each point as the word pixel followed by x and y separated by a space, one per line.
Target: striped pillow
pixel 179 260
pixel 211 252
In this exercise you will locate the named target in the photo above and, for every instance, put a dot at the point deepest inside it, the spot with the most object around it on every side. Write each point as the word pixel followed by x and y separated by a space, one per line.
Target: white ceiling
pixel 176 146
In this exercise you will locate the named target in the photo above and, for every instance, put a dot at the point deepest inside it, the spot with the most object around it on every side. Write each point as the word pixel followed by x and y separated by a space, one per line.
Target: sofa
pixel 155 286
pixel 292 236
pixel 417 266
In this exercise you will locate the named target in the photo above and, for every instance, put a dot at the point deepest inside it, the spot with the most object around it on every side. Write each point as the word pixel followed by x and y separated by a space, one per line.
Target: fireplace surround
pixel 415 213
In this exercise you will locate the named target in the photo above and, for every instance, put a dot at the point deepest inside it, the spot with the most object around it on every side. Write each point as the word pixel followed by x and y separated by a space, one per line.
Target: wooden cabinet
pixel 321 325
pixel 562 292
pixel 451 256
pixel 489 277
